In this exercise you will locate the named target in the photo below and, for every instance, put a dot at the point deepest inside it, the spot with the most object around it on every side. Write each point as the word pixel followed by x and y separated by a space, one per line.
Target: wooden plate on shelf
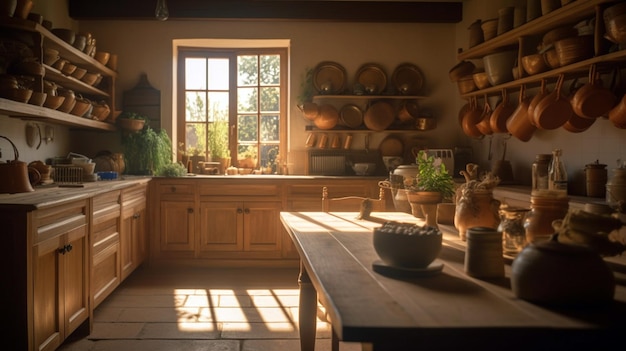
pixel 407 79
pixel 379 116
pixel 391 146
pixel 372 77
pixel 329 78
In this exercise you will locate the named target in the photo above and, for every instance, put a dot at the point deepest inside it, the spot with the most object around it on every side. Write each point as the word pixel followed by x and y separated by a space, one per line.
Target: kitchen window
pixel 232 103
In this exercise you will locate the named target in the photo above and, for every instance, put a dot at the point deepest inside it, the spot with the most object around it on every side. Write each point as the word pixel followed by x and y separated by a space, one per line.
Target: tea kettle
pixel 14 174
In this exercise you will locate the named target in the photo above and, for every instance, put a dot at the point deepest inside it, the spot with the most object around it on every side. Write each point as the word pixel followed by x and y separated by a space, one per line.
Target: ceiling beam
pixel 298 10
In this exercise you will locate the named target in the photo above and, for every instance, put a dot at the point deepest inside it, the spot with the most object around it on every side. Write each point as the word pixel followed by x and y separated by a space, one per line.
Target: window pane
pixel 244 151
pixel 270 99
pixel 195 73
pixel 195 137
pixel 218 74
pixel 247 100
pixel 268 156
pixel 195 103
pixel 218 106
pixel 247 128
pixel 269 128
pixel 270 69
pixel 247 70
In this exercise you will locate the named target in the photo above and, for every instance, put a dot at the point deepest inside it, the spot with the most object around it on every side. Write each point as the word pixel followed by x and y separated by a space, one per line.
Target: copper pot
pixel 310 110
pixel 617 115
pixel 593 100
pixel 483 125
pixel 554 110
pixel 327 118
pixel 519 124
pixel 535 101
pixel 500 114
pixel 469 120
pixel 576 123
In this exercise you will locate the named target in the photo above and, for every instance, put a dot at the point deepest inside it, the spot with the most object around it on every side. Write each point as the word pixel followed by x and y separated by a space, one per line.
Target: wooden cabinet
pixel 42 38
pixel 241 226
pixel 174 219
pixel 133 244
pixel 105 245
pixel 525 37
pixel 60 295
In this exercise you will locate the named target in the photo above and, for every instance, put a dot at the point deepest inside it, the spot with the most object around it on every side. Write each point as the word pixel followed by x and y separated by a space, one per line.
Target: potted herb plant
pixel 146 151
pixel 431 185
pixel 131 121
pixel 218 144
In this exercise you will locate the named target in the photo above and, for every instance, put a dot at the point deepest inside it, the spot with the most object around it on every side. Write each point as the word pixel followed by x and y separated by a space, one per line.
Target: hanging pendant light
pixel 161 12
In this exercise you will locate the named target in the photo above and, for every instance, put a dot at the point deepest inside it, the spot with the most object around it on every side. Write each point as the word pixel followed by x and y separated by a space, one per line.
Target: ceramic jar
pixel 616 187
pixel 595 179
pixel 512 229
pixel 483 257
pixel 553 273
pixel 476 209
pixel 544 209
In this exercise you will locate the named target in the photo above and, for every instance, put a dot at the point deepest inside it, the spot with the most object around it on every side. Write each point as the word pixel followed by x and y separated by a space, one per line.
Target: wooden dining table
pixel 442 311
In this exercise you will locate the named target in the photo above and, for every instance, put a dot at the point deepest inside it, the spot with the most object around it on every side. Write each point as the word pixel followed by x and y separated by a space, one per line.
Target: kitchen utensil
pixel 574 49
pixel 483 124
pixel 327 118
pixel 615 23
pixel 501 114
pixel 14 174
pixel 617 115
pixel 409 111
pixel 310 110
pixel 364 168
pixel 554 109
pixel 461 69
pixel 329 78
pixel 576 123
pixel 498 66
pixel 379 116
pixel 534 64
pixel 481 80
pixel 350 116
pixel 519 124
pixel 470 119
pixel 593 100
pixel 490 28
pixel 407 79
pixel 372 77
pixel 466 84
pixel 535 101
pixel 391 146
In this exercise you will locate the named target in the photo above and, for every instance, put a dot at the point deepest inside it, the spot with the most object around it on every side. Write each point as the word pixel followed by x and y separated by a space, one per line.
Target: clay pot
pixel 593 100
pixel 476 209
pixel 501 114
pixel 553 110
pixel 553 273
pixel 519 123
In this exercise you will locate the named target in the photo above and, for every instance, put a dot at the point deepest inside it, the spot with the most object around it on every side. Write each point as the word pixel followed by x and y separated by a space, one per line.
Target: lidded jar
pixel 512 229
pixel 616 186
pixel 545 207
pixel 540 171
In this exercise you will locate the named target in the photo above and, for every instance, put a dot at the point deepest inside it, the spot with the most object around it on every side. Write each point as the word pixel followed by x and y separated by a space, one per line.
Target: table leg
pixel 308 311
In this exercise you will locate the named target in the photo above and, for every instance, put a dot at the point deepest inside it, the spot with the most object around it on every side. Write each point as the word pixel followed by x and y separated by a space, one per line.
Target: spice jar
pixel 616 187
pixel 595 179
pixel 540 169
pixel 512 229
pixel 483 256
pixel 544 208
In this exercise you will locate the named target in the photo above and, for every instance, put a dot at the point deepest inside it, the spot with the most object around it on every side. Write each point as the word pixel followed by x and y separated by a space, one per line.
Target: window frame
pixel 232 54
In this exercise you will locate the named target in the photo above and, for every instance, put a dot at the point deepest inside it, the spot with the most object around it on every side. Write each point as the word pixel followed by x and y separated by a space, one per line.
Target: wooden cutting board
pixel 391 146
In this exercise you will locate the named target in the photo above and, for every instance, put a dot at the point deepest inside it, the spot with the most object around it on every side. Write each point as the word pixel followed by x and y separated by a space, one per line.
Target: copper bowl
pixel 53 102
pixel 102 57
pixel 481 80
pixel 574 49
pixel 615 23
pixel 552 59
pixel 534 64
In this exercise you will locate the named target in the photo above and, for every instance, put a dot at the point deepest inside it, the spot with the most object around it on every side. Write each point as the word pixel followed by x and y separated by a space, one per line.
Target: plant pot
pixel 419 198
pixel 133 125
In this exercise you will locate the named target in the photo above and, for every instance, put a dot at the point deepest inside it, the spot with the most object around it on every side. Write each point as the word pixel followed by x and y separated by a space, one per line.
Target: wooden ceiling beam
pixel 299 10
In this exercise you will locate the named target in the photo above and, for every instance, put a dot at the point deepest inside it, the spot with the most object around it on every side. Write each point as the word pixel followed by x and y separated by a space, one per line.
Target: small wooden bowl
pixel 481 80
pixel 17 94
pixel 79 73
pixel 53 102
pixel 37 98
pixel 90 78
pixel 102 57
pixel 68 69
pixel 534 64
pixel 80 108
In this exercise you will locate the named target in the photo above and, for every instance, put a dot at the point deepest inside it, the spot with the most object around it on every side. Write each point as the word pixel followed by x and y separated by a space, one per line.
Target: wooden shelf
pixel 68 82
pixel 31 112
pixel 577 69
pixel 568 14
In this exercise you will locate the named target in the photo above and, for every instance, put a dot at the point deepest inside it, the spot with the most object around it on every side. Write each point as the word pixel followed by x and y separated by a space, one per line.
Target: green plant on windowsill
pixel 218 140
pixel 174 169
pixel 147 151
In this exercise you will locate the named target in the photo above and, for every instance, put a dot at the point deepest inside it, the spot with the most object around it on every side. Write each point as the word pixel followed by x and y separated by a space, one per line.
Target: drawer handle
pixel 65 249
pixel 136 216
pixel 190 210
pixel 239 211
pixel 173 189
pixel 247 210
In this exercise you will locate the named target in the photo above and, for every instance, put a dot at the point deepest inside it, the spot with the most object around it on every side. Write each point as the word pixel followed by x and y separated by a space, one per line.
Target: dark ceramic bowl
pixel 408 250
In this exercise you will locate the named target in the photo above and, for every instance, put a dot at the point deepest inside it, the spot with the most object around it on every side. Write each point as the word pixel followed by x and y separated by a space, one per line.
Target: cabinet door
pixel 221 226
pixel 262 229
pixel 105 271
pixel 47 296
pixel 177 219
pixel 132 242
pixel 75 282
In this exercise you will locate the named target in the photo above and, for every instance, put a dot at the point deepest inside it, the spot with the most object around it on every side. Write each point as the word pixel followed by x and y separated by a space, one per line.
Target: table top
pixel 336 250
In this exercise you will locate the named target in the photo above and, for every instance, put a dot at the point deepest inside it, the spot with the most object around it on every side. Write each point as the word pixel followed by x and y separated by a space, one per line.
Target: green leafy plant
pixel 147 151
pixel 431 177
pixel 306 87
pixel 218 139
pixel 132 115
pixel 174 169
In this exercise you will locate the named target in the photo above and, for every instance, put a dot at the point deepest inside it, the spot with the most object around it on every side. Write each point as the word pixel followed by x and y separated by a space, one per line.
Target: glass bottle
pixel 557 179
pixel 540 170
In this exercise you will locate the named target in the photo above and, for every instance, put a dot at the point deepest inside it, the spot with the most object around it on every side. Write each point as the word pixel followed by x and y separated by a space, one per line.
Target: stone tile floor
pixel 202 309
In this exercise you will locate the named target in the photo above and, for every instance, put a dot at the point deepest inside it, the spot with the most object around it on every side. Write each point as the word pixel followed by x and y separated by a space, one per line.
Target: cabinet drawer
pixel 176 189
pixel 133 194
pixel 60 219
pixel 209 189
